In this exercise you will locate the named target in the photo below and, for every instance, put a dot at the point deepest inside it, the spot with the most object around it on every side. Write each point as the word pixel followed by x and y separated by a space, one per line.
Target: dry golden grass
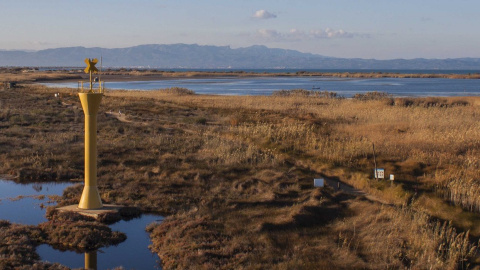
pixel 24 76
pixel 425 141
pixel 235 174
pixel 402 238
pixel 419 141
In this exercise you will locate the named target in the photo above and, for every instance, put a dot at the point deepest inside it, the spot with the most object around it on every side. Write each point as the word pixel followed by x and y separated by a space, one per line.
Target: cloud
pixel 269 34
pixel 274 35
pixel 40 43
pixel 263 14
pixel 37 44
pixel 330 33
pixel 299 35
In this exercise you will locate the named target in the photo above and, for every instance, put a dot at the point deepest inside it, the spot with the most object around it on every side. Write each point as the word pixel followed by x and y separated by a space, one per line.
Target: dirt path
pixel 337 185
pixel 346 188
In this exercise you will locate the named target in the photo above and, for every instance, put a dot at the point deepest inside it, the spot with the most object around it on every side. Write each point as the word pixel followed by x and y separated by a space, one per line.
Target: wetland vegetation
pixel 20 74
pixel 234 176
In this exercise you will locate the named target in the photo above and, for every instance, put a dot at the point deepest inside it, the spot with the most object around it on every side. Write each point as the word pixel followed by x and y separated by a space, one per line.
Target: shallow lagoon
pixel 27 209
pixel 133 253
pixel 347 87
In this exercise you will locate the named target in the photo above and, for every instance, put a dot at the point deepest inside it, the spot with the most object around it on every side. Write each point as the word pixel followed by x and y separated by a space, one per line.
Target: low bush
pixel 180 91
pixel 371 96
pixel 304 93
pixel 428 102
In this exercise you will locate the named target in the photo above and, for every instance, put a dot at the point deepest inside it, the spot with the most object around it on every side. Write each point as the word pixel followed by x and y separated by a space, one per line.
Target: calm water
pixel 133 253
pixel 26 210
pixel 346 87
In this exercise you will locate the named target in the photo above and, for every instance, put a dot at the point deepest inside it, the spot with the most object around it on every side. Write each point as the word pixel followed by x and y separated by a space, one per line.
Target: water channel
pixel 26 203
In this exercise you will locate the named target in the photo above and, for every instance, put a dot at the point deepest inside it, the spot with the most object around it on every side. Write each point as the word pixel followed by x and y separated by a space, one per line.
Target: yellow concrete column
pixel 90 196
pixel 91 260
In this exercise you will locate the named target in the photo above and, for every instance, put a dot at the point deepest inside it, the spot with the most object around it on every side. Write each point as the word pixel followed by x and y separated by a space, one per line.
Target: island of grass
pixel 25 75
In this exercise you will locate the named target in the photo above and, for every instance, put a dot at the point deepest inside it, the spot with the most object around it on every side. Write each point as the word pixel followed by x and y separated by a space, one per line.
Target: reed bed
pixel 436 245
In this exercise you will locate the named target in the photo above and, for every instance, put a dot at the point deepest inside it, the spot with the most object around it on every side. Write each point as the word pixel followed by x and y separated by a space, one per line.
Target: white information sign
pixel 318 182
pixel 392 177
pixel 379 173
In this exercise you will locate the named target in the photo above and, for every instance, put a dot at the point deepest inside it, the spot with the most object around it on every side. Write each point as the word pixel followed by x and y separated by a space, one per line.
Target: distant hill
pixel 193 56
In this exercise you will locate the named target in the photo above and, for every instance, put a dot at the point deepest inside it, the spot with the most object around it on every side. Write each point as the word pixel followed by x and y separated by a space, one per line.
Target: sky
pixel 378 29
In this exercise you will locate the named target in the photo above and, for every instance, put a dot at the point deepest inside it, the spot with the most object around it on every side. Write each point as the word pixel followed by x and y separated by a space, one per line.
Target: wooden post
pixel 375 162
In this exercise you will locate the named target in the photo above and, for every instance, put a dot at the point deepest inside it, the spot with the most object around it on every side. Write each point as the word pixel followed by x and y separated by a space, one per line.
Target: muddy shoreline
pixel 121 77
pixel 26 75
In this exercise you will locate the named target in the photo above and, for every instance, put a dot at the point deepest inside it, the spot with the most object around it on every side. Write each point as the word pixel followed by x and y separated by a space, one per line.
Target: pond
pixel 21 203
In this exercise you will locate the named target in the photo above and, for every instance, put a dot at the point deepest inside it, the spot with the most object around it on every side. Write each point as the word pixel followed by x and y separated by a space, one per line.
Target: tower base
pixel 109 212
pixel 90 198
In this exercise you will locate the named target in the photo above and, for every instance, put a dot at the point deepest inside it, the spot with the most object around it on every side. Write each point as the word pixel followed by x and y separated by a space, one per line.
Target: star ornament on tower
pixel 91 65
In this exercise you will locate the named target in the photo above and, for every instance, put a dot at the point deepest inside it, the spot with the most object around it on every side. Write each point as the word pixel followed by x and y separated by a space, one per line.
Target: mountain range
pixel 193 56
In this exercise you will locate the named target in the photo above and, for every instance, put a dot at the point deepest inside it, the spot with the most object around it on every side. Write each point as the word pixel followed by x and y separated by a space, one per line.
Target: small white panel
pixel 380 173
pixel 318 182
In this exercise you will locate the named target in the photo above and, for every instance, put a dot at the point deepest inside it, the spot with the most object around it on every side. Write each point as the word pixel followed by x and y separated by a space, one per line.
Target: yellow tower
pixel 90 103
pixel 91 260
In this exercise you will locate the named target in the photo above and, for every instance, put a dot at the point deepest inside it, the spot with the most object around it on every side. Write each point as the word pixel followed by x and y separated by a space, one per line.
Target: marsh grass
pixel 372 96
pixel 17 247
pixel 176 91
pixel 436 245
pixel 237 186
pixel 28 75
pixel 304 93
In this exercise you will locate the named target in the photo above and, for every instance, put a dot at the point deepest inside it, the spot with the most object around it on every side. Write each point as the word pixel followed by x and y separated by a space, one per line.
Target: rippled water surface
pixel 347 87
